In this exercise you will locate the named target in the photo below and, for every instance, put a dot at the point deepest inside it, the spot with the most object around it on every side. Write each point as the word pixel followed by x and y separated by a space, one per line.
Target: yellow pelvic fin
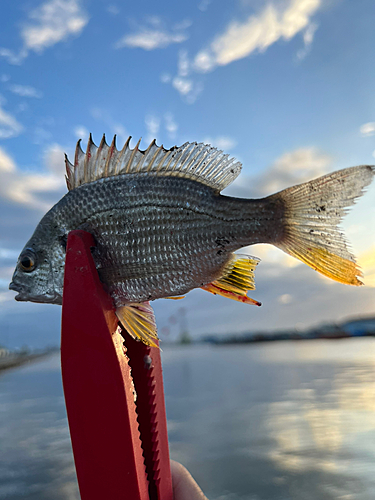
pixel 139 321
pixel 237 280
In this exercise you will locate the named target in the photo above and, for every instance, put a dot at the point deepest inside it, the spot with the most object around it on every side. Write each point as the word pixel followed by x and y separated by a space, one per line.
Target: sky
pixel 285 86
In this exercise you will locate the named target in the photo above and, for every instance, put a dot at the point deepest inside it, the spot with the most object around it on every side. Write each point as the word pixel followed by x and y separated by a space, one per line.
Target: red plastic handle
pixel 100 396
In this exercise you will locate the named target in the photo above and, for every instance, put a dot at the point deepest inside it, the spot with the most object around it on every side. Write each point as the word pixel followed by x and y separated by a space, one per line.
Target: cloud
pixel 257 33
pixel 81 132
pixel 113 9
pixel 367 129
pixel 115 127
pixel 294 167
pixel 221 142
pixel 25 91
pixel 367 262
pixel 154 123
pixel 13 57
pixel 165 78
pixel 154 35
pixel 183 85
pixel 28 189
pixel 153 126
pixel 170 125
pixel 9 126
pixel 203 5
pixel 308 38
pixel 188 87
pixel 48 24
pixel 53 22
pixel 183 63
pixel 6 162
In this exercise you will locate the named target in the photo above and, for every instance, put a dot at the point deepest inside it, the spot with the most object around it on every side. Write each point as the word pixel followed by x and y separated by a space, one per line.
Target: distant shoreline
pixel 15 360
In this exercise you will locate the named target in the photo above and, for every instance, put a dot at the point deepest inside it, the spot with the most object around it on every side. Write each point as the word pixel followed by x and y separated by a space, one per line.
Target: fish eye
pixel 28 261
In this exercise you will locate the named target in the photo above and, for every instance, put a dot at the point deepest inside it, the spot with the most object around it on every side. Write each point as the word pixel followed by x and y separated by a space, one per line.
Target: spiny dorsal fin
pixel 197 161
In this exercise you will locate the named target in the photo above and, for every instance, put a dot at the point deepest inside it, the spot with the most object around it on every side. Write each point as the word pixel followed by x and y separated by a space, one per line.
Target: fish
pixel 162 228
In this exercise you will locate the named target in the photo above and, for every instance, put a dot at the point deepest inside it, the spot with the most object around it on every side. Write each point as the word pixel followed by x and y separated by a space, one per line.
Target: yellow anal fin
pixel 179 297
pixel 237 280
pixel 139 321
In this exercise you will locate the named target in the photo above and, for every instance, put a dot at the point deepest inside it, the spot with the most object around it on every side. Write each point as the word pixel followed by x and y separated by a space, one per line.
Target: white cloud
pixel 25 91
pixel 4 78
pixel 54 160
pixel 48 24
pixel 308 38
pixel 113 9
pixel 285 298
pixel 6 162
pixel 150 40
pixel 367 129
pixel 13 57
pixel 183 64
pixel 26 188
pixel 203 6
pixel 257 33
pixel 115 127
pixel 53 22
pixel 165 78
pixel 154 35
pixel 221 142
pixel 81 132
pixel 9 126
pixel 293 168
pixel 153 126
pixel 170 125
pixel 183 85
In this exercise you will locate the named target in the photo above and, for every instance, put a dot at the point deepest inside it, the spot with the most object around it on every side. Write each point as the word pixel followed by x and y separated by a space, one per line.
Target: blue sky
pixel 286 86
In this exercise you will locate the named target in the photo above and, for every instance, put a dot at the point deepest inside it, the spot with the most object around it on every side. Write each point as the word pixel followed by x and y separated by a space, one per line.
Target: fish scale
pixel 162 228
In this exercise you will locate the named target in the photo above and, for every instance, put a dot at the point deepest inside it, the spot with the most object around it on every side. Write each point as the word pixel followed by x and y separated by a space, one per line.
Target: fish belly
pixel 149 253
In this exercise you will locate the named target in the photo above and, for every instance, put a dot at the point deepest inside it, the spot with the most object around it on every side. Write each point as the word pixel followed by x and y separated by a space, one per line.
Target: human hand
pixel 184 486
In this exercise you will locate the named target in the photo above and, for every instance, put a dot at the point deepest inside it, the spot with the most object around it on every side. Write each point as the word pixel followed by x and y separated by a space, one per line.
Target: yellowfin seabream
pixel 162 228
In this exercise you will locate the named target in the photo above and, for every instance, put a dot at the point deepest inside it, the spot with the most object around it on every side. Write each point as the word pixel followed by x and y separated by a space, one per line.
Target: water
pixel 283 420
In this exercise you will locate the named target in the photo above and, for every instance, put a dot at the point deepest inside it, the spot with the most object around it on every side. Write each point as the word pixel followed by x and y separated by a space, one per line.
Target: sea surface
pixel 278 420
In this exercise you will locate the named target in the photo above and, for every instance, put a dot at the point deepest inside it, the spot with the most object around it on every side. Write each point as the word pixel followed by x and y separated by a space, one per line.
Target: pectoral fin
pixel 139 321
pixel 237 280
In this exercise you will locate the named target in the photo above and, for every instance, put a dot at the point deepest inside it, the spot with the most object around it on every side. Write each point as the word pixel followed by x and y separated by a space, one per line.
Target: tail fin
pixel 312 213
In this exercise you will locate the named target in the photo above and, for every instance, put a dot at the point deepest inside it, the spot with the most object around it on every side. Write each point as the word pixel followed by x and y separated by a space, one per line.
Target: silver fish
pixel 162 228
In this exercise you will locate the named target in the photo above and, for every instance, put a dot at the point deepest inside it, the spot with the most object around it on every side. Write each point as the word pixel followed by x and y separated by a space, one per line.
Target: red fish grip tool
pixel 113 391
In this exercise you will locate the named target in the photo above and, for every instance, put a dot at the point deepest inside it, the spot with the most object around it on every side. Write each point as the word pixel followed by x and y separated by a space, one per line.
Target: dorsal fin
pixel 200 162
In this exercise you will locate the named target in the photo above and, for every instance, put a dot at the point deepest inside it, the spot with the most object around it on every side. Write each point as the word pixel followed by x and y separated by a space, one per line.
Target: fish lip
pixel 16 288
pixel 23 296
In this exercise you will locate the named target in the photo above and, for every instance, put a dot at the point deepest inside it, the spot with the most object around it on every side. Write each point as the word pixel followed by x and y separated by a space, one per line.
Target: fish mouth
pixel 24 296
pixel 16 288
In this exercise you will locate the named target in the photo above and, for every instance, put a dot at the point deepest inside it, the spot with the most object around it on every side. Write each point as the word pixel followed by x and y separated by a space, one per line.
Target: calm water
pixel 289 420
